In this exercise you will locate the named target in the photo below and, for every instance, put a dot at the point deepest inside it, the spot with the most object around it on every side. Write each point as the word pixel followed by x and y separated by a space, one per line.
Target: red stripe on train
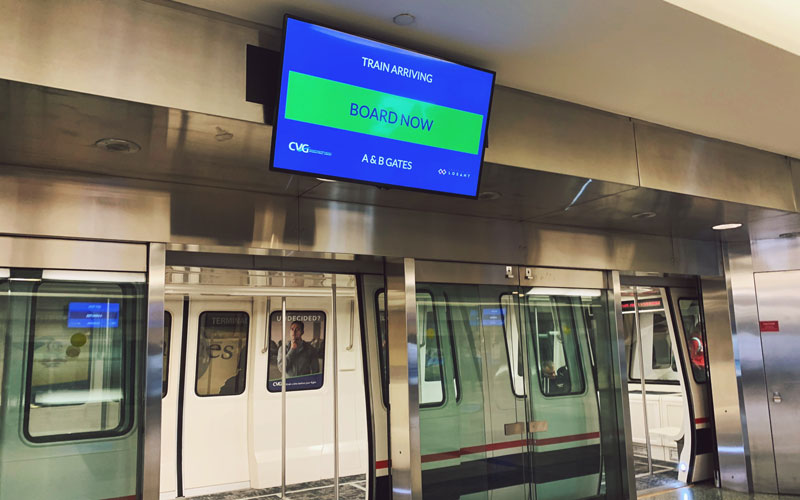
pixel 450 455
pixel 702 420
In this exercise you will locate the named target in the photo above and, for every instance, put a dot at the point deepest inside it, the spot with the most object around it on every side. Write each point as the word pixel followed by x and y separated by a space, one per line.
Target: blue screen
pixel 356 109
pixel 93 315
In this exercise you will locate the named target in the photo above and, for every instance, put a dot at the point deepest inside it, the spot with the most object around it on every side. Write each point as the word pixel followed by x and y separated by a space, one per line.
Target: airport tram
pixel 509 386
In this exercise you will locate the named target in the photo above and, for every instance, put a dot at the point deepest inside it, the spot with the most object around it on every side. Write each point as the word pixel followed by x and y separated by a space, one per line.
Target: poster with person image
pixel 303 354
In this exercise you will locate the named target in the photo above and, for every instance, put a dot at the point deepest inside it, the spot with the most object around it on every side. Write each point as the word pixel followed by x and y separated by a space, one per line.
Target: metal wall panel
pixel 680 162
pixel 780 254
pixel 131 50
pixel 535 132
pixel 328 226
pixel 778 295
pixel 751 377
pixel 37 202
pixel 72 254
pixel 724 385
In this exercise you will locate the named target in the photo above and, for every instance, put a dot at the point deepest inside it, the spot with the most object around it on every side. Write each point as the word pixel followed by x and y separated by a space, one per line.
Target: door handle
pixel 520 427
pixel 776 397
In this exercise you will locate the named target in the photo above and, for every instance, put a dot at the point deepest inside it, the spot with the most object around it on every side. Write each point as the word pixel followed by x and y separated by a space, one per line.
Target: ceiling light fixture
pixel 643 215
pixel 404 19
pixel 488 195
pixel 725 227
pixel 113 145
pixel 325 180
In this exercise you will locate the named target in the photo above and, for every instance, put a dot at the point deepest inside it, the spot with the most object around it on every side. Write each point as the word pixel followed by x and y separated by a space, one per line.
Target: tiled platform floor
pixel 706 491
pixel 350 488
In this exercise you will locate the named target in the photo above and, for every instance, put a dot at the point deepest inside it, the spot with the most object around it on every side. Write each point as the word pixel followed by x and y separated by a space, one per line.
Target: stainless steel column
pixel 335 392
pixel 401 315
pixel 623 413
pixel 283 397
pixel 753 406
pixel 151 422
pixel 638 333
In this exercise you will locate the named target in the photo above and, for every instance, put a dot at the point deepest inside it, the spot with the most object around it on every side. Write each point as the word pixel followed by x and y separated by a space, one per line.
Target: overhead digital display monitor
pixel 355 109
pixel 93 315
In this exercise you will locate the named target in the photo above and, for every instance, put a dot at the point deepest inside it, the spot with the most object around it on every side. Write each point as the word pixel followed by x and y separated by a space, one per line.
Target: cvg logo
pixel 300 148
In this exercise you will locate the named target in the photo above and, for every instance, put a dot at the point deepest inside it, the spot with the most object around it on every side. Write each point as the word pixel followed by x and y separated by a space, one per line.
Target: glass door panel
pixel 71 385
pixel 564 442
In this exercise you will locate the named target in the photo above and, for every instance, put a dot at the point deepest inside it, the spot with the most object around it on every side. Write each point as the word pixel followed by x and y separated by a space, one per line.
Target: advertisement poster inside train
pixel 352 108
pixel 304 350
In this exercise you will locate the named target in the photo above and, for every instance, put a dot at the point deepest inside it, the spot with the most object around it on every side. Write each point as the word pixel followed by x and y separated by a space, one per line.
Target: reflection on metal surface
pixel 531 131
pixel 751 377
pixel 680 162
pixel 72 254
pixel 724 385
pixel 401 315
pixel 151 446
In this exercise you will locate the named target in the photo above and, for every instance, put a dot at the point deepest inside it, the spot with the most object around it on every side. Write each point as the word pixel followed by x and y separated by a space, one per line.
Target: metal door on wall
pixel 778 297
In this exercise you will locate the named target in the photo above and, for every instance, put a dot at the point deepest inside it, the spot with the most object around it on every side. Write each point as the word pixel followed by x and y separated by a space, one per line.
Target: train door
pixel 215 441
pixel 668 395
pixel 72 352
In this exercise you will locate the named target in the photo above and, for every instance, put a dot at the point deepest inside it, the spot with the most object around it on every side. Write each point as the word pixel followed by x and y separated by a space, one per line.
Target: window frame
pixel 453 350
pixel 508 351
pixel 578 351
pixel 197 354
pixel 167 353
pixel 381 360
pixel 702 339
pixel 127 373
pixel 324 348
pixel 634 380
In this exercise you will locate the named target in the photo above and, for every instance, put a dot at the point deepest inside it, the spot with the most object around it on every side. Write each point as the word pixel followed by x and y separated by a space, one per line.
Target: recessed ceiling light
pixel 325 180
pixel 793 234
pixel 643 215
pixel 725 227
pixel 113 145
pixel 404 19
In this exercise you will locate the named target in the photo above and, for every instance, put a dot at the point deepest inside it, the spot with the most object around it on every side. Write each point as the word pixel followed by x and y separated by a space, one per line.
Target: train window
pixel 660 364
pixel 165 352
pixel 305 350
pixel 507 317
pixel 553 326
pixel 222 353
pixel 431 383
pixel 693 330
pixel 80 356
